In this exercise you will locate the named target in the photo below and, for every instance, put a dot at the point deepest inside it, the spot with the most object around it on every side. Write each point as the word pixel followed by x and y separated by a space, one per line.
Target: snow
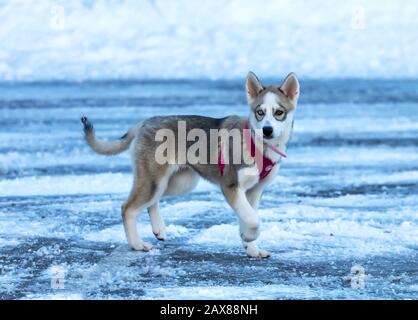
pixel 83 184
pixel 54 296
pixel 56 185
pixel 116 233
pixel 234 292
pixel 345 196
pixel 340 236
pixel 212 39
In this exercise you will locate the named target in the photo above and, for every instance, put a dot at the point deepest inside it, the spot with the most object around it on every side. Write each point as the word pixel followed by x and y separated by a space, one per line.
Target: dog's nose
pixel 268 132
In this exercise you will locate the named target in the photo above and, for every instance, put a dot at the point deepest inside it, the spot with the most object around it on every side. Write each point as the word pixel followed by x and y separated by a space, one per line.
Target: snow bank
pixel 157 38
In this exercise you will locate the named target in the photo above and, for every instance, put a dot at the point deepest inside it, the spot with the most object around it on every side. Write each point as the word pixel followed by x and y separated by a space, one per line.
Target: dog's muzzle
pixel 268 132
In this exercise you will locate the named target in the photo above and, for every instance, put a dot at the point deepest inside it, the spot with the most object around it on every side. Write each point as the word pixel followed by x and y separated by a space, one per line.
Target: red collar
pixel 265 164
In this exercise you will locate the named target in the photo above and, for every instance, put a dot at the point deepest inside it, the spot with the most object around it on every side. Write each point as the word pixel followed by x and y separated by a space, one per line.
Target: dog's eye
pixel 260 112
pixel 279 113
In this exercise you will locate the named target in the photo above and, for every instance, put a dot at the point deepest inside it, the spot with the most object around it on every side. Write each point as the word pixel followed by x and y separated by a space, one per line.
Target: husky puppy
pixel 269 123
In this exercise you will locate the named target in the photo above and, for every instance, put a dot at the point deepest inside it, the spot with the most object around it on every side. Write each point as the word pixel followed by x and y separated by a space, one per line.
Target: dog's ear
pixel 291 88
pixel 253 86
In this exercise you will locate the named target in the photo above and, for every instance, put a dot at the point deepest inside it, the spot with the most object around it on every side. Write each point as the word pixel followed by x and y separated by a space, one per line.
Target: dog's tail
pixel 107 147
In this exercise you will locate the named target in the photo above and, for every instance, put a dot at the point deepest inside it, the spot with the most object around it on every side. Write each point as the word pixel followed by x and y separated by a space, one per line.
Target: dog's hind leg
pixel 157 222
pixel 180 182
pixel 149 187
pixel 140 195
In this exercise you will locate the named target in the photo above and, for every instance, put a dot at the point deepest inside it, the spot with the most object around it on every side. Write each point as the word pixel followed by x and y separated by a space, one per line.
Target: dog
pixel 267 131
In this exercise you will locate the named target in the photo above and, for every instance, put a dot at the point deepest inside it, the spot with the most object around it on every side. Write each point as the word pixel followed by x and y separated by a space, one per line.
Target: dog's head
pixel 272 107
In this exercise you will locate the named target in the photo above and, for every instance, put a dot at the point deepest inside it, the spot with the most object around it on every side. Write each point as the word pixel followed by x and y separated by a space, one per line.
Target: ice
pixel 233 292
pixel 8 242
pixel 82 184
pixel 353 155
pixel 54 296
pixel 345 196
pixel 341 237
pixel 55 185
pixel 162 39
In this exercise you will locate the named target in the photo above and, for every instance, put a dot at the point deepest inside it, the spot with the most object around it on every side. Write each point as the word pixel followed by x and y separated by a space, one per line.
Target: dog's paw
pixel 260 254
pixel 160 234
pixel 142 246
pixel 253 251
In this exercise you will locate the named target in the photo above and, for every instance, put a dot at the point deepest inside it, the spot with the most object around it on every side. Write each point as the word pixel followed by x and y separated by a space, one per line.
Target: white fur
pixel 281 129
pixel 248 177
pixel 254 251
pixel 249 221
pixel 269 103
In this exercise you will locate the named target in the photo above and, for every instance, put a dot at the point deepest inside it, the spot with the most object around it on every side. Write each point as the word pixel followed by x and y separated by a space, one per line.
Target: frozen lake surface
pixel 345 196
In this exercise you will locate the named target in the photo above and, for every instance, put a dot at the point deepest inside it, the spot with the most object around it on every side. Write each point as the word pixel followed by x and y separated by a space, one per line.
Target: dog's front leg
pixel 249 221
pixel 253 196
